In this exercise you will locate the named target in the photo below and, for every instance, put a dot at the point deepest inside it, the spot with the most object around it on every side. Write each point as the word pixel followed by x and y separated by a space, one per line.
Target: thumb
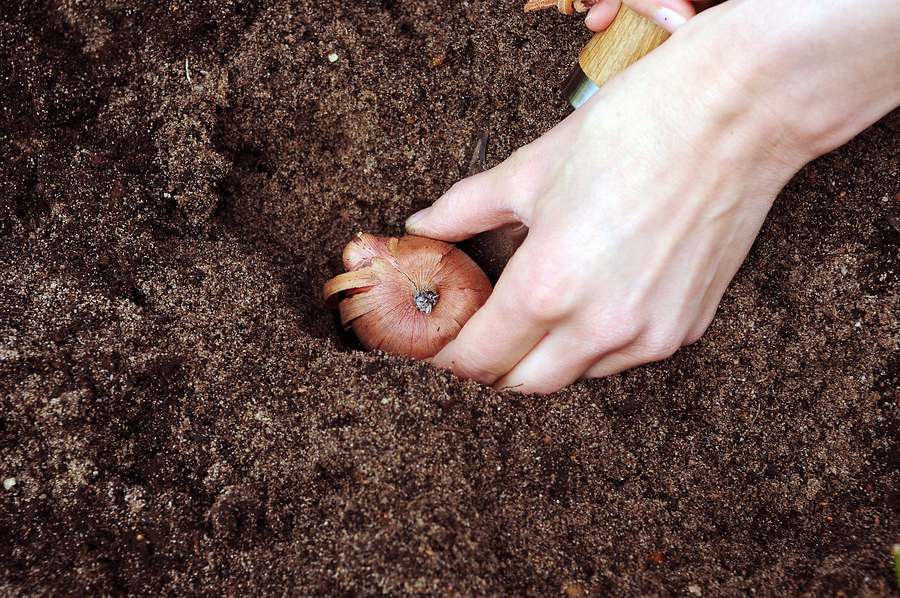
pixel 601 14
pixel 473 205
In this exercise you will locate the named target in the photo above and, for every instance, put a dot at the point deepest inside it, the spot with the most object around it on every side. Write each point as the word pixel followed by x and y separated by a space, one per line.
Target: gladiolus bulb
pixel 407 296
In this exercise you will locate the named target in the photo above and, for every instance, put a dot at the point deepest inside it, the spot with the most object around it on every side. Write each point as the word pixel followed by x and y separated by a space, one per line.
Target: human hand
pixel 640 206
pixel 668 14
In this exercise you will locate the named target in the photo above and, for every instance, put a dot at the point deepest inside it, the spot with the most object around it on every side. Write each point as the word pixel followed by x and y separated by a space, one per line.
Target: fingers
pixel 557 361
pixel 615 363
pixel 703 321
pixel 711 300
pixel 602 14
pixel 503 331
pixel 653 345
pixel 482 202
pixel 668 14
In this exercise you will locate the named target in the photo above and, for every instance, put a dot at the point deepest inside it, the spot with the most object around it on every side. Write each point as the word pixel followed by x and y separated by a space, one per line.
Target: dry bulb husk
pixel 567 7
pixel 407 296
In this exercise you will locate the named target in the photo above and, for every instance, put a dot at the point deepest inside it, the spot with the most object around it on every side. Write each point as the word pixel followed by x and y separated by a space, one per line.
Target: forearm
pixel 825 69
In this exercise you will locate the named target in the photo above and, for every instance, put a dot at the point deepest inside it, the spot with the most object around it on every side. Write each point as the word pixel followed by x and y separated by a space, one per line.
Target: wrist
pixel 813 74
pixel 730 79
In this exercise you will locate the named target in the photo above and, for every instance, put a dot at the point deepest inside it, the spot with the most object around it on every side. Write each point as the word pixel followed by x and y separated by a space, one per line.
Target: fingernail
pixel 417 218
pixel 668 19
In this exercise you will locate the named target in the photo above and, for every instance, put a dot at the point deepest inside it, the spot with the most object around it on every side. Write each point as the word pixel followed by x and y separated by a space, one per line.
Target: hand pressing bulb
pixel 642 204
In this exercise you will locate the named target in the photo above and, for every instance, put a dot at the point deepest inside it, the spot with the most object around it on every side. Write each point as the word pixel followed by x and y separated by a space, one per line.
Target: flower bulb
pixel 407 296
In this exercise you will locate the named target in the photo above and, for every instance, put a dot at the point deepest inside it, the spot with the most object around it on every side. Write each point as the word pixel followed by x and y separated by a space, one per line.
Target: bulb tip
pixel 426 300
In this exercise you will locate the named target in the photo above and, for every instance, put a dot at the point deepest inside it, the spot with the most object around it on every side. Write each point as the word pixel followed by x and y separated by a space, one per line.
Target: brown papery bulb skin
pixel 407 296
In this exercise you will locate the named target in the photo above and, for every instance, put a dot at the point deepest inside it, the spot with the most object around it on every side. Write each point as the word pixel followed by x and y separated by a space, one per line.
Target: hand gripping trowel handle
pixel 628 39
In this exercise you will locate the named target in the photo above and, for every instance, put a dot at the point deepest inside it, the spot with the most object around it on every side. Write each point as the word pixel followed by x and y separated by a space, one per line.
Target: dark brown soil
pixel 181 415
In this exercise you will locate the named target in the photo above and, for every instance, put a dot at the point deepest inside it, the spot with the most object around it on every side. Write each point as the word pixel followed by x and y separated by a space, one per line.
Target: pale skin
pixel 642 204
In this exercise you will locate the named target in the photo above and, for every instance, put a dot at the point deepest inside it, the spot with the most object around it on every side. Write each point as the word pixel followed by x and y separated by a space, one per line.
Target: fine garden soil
pixel 180 413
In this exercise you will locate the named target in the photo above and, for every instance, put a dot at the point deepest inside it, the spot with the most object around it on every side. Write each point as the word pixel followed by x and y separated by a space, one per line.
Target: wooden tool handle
pixel 627 40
